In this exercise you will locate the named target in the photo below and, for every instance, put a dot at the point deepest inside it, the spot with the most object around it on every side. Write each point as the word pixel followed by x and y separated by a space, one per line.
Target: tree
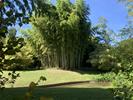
pixel 103 32
pixel 125 55
pixel 35 45
pixel 12 12
pixel 102 57
pixel 126 32
pixel 65 30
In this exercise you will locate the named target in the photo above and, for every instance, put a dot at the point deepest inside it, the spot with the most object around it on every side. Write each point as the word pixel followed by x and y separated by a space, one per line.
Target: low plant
pixel 124 86
pixel 107 77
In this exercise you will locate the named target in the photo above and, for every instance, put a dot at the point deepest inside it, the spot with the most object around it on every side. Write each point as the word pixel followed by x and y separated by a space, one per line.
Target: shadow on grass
pixel 59 93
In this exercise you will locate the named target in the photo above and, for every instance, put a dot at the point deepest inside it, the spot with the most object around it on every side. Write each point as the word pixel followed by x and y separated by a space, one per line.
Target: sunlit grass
pixel 52 75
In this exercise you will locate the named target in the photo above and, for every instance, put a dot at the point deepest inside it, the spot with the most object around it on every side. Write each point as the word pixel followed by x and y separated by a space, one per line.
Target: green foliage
pixel 11 79
pixel 126 32
pixel 3 81
pixel 103 32
pixel 13 46
pixel 107 77
pixel 10 45
pixel 9 16
pixel 124 55
pixel 13 12
pixel 113 58
pixel 102 58
pixel 64 32
pixel 123 81
pixel 124 86
pixel 118 59
pixel 35 45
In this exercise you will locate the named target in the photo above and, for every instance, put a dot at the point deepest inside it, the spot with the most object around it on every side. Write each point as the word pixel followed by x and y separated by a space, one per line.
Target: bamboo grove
pixel 61 33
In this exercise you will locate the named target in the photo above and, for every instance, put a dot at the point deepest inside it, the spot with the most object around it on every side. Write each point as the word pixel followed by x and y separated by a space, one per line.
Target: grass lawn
pixel 53 76
pixel 85 91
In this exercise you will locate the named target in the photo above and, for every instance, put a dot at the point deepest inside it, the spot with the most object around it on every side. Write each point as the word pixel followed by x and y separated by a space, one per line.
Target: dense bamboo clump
pixel 64 29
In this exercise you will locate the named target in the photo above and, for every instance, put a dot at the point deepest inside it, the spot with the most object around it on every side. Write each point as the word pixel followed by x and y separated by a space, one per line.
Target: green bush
pixel 22 60
pixel 18 64
pixel 103 58
pixel 124 55
pixel 124 86
pixel 124 79
pixel 23 64
pixel 119 59
pixel 107 77
pixel 115 58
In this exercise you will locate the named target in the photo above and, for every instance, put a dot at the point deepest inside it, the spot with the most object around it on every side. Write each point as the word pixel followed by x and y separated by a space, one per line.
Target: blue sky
pixel 112 10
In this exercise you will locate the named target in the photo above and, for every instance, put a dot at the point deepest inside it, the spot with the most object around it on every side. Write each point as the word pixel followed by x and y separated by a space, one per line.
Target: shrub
pixel 124 79
pixel 107 77
pixel 115 58
pixel 124 55
pixel 102 58
pixel 18 64
pixel 124 86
